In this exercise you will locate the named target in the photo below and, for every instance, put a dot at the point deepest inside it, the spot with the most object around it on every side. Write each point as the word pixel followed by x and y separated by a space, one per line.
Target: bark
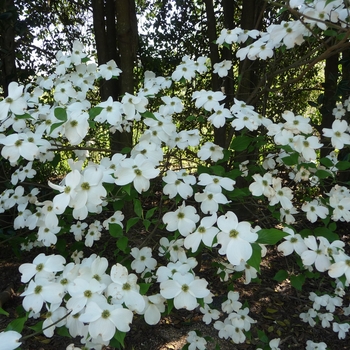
pixel 216 82
pixel 6 295
pixel 329 97
pixel 127 40
pixel 106 42
pixel 7 44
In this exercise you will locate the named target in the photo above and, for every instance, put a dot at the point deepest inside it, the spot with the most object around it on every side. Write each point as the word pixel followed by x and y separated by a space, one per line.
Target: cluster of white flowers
pixel 93 301
pixel 330 303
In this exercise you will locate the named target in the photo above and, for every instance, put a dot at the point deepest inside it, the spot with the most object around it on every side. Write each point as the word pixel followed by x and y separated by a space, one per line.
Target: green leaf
pixel 60 114
pixel 330 32
pixel 149 114
pixel 292 159
pixel 131 222
pixel 55 126
pixel 240 143
pixel 297 281
pixel 63 332
pixel 37 327
pixel 146 223
pixel 144 288
pixel 118 339
pixel 326 162
pixel 3 312
pixel 326 233
pixel 24 116
pixel 115 230
pixel 150 212
pixel 322 174
pixel 122 243
pixel 170 303
pixel 138 207
pixel 94 112
pixel 343 165
pixel 281 275
pixel 17 324
pixel 270 235
pixel 262 336
pixel 255 259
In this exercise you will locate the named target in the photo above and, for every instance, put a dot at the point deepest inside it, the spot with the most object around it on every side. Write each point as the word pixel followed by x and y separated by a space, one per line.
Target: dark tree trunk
pixel 7 44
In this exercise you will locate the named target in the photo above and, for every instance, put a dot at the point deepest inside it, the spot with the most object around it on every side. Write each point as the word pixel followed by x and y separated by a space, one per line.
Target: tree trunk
pixel 7 44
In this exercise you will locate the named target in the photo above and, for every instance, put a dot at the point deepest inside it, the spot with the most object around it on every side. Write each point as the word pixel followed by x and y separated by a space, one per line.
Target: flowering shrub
pixel 97 299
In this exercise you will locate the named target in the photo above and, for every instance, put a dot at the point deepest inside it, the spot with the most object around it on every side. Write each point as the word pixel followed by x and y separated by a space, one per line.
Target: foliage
pixel 213 200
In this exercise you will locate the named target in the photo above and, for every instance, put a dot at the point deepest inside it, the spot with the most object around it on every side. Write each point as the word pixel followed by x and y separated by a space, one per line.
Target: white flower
pixel 222 68
pixel 153 309
pixel 195 341
pixel 209 314
pixel 339 136
pixel 341 266
pixel 42 266
pixel 103 319
pixel 138 170
pixel 143 259
pixel 10 340
pixel 14 102
pixel 317 254
pixel 215 183
pixel 40 291
pixel 310 345
pixel 308 317
pixel 209 100
pixel 232 303
pixel 210 201
pixel 109 70
pixel 175 184
pixel 293 242
pixel 341 329
pixel 124 289
pixel 235 238
pixel 204 233
pixel 183 219
pixel 314 210
pixel 210 150
pixel 185 290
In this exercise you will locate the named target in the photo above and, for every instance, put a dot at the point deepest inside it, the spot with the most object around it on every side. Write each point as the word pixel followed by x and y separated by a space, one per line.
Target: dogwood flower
pixel 310 345
pixel 210 150
pixel 341 266
pixel 195 342
pixel 204 233
pixel 316 254
pixel 185 290
pixel 314 210
pixel 235 238
pixel 10 340
pixel 124 289
pixel 44 266
pixel 175 185
pixel 341 329
pixel 215 183
pixel 262 185
pixel 109 70
pixel 210 201
pixel 338 134
pixel 183 219
pixel 104 319
pixel 40 291
pixel 138 170
pixel 143 259
pixel 293 242
pixel 153 308
pixel 14 102
pixel 174 248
